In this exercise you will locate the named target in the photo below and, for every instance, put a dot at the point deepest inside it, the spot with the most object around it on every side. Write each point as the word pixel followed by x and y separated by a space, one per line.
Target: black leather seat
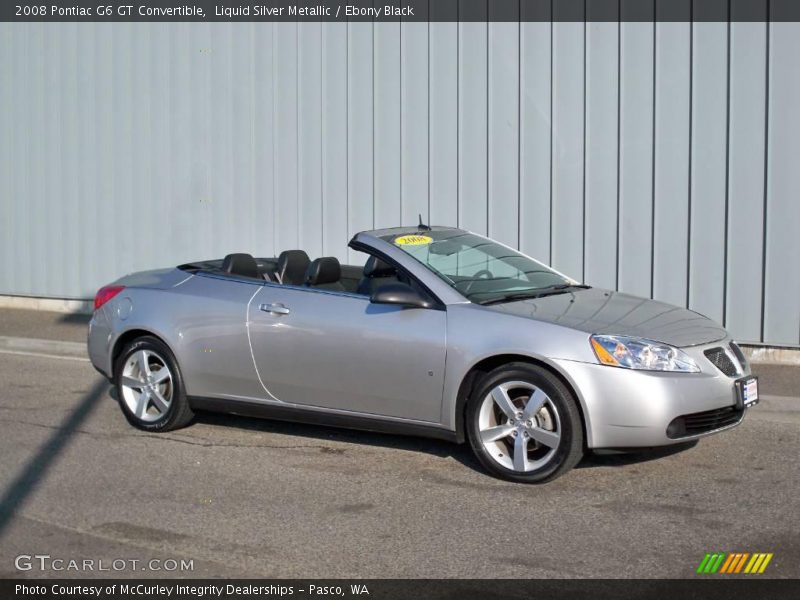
pixel 241 264
pixel 292 267
pixel 376 273
pixel 325 273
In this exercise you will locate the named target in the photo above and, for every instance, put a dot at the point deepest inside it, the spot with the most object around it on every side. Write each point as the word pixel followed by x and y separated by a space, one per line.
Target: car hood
pixel 603 311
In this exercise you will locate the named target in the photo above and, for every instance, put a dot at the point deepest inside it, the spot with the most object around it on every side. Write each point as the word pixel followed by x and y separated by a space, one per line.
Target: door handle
pixel 275 309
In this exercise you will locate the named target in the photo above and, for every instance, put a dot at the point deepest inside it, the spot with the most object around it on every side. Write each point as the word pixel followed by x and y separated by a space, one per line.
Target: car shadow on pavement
pixel 75 319
pixel 324 433
pixel 622 457
pixel 32 474
pixel 443 449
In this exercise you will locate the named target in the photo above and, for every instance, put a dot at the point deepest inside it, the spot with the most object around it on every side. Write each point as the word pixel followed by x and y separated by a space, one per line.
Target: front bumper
pixel 625 408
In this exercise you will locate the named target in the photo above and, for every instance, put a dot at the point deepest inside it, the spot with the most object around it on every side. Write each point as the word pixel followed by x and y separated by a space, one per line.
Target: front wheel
pixel 150 387
pixel 524 425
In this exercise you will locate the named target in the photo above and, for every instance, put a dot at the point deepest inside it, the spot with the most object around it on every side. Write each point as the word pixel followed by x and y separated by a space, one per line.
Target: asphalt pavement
pixel 253 498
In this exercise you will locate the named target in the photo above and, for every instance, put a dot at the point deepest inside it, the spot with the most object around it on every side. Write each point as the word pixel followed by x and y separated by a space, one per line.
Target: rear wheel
pixel 149 386
pixel 524 425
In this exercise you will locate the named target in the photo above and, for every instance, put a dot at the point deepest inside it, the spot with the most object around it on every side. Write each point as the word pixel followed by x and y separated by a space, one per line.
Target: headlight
pixel 636 353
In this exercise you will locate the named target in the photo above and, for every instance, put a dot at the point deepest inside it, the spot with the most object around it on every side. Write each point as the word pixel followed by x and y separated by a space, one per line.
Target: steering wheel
pixel 482 274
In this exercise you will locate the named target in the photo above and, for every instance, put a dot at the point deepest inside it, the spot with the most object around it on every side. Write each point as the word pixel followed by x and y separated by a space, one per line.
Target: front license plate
pixel 747 391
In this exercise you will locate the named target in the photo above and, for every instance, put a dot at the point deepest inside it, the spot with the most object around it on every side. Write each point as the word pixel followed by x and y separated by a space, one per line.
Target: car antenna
pixel 422 226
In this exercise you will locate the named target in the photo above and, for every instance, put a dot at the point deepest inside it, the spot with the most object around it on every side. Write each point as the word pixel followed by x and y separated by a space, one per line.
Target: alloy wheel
pixel 519 426
pixel 147 385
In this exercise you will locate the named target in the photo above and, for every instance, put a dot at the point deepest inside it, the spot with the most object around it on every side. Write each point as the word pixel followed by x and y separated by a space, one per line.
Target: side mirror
pixel 401 294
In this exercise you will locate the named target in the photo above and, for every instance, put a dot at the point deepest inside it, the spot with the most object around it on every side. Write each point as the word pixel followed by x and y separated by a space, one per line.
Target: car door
pixel 209 315
pixel 337 350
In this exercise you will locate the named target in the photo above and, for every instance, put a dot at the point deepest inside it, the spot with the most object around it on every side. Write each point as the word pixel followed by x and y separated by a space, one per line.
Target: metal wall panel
pixel 334 139
pixel 782 272
pixel 744 261
pixel 671 161
pixel 260 221
pixel 473 126
pixel 387 124
pixel 285 119
pixel 8 203
pixel 602 129
pixel 35 186
pixel 568 148
pixel 654 158
pixel 536 137
pixel 708 193
pixel 360 129
pixel 503 110
pixel 309 124
pixel 414 70
pixel 443 123
pixel 634 270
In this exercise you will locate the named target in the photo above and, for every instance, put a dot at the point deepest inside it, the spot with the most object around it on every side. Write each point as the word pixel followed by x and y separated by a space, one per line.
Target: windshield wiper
pixel 561 288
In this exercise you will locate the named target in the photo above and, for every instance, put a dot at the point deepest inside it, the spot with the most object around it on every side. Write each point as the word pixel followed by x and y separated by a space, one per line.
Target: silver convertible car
pixel 440 333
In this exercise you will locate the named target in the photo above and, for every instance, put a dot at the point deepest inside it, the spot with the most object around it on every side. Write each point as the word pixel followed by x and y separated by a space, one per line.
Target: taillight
pixel 104 294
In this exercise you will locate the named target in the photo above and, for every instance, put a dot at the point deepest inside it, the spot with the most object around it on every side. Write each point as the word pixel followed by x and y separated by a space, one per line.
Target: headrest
pixel 323 270
pixel 292 266
pixel 241 264
pixel 375 267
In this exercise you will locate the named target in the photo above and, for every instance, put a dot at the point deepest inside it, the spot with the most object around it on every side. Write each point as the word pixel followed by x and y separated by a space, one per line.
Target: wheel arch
pixel 128 336
pixel 487 364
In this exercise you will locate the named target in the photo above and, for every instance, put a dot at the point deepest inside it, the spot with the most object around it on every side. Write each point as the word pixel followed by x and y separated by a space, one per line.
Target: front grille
pixel 703 422
pixel 739 354
pixel 722 360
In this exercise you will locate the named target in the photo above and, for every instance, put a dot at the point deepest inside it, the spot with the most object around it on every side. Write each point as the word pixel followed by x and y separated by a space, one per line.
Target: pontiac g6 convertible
pixel 440 333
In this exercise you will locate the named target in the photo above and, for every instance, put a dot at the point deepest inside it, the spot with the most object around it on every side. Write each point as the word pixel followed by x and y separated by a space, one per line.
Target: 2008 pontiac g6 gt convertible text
pixel 441 333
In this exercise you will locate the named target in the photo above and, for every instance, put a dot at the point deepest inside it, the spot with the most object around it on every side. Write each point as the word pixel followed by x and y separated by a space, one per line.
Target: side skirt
pixel 314 417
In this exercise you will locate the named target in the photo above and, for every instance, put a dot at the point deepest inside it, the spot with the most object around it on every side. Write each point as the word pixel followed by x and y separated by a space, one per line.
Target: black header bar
pixel 397 10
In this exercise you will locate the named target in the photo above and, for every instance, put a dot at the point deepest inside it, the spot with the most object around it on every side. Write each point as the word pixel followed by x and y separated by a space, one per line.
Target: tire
pixel 524 425
pixel 151 398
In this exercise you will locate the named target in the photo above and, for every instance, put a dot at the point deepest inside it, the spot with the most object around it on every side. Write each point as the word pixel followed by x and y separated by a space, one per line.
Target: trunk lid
pixel 160 279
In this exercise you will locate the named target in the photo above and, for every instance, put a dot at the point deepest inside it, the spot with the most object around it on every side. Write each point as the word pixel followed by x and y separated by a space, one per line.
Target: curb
pixel 59 305
pixel 762 355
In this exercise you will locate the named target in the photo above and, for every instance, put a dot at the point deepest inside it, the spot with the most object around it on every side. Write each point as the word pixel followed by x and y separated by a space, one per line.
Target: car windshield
pixel 483 271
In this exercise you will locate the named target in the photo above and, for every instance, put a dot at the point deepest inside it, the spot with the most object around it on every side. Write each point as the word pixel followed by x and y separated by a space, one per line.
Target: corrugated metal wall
pixel 660 159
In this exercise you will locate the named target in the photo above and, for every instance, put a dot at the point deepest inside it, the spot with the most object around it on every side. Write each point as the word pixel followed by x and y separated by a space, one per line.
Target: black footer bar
pixel 717 587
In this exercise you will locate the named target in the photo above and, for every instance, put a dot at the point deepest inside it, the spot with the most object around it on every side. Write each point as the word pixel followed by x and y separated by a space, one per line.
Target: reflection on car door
pixel 339 351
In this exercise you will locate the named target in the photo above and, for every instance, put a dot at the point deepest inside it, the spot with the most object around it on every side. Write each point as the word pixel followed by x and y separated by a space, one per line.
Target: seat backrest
pixel 376 273
pixel 241 264
pixel 324 273
pixel 375 267
pixel 292 267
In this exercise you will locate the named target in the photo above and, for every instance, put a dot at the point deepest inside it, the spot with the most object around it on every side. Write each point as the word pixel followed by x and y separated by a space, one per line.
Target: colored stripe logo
pixel 734 562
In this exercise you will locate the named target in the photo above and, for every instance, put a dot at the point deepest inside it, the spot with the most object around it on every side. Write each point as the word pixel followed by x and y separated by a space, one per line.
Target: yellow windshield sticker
pixel 413 240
